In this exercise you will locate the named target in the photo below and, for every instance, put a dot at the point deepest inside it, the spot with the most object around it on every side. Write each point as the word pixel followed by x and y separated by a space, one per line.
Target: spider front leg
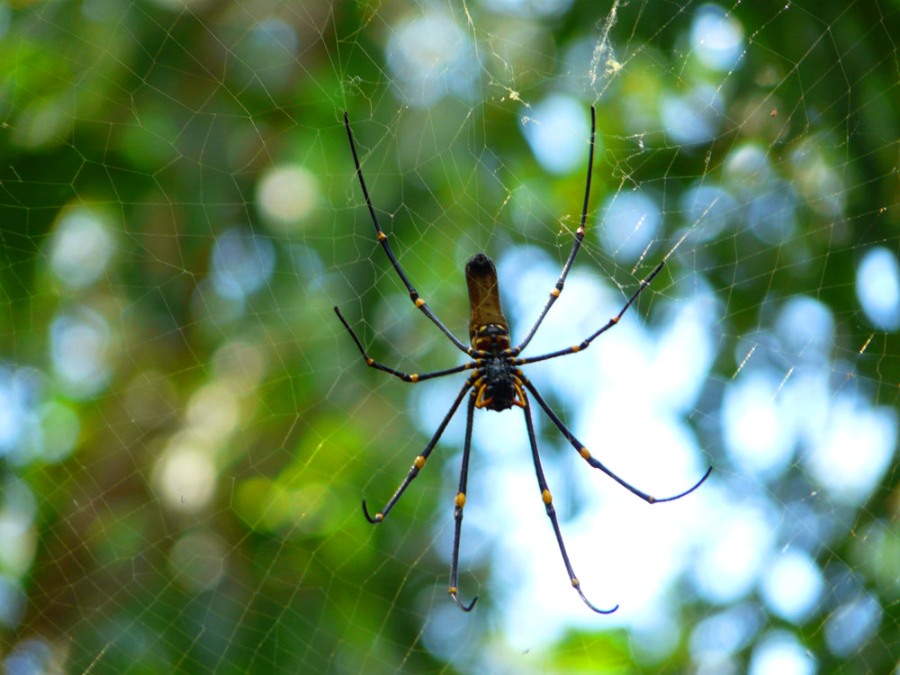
pixel 406 377
pixel 557 289
pixel 551 511
pixel 584 344
pixel 590 459
pixel 419 461
pixel 414 296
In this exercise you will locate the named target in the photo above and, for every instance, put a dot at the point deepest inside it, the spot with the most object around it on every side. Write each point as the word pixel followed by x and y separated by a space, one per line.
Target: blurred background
pixel 187 432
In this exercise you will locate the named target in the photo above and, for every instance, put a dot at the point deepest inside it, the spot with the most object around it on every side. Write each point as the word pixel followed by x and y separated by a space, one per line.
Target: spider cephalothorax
pixel 497 382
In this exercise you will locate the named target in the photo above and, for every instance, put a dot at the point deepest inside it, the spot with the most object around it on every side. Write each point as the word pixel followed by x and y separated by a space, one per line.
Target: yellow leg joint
pixel 480 400
pixel 381 236
pixel 420 462
pixel 419 302
pixel 519 398
pixel 584 453
pixel 575 582
pixel 460 500
pixel 378 517
pixel 546 496
pixel 453 590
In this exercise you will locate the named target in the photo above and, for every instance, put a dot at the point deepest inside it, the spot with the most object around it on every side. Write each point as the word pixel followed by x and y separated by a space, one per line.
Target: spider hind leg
pixel 547 498
pixel 460 503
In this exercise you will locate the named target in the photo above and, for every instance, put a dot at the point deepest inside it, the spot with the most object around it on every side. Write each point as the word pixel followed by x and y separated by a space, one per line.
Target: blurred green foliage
pixel 164 116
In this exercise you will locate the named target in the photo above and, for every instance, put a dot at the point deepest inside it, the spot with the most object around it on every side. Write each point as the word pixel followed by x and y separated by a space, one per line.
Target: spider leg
pixel 579 236
pixel 590 459
pixel 551 511
pixel 419 461
pixel 383 240
pixel 460 501
pixel 609 324
pixel 406 377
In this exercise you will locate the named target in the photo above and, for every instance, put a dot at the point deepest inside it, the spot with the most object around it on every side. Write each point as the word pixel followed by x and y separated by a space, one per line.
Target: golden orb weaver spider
pixel 497 382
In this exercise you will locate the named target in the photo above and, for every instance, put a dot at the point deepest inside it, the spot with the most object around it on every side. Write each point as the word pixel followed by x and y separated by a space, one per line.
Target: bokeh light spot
pixel 287 195
pixel 717 38
pixel 558 132
pixel 878 287
pixel 81 248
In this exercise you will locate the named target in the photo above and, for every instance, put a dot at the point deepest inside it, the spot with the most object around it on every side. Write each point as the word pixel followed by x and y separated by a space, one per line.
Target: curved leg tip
pixel 592 605
pixel 603 611
pixel 686 492
pixel 377 518
pixel 454 593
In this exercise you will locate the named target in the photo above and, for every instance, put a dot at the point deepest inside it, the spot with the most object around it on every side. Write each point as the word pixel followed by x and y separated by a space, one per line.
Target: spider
pixel 497 381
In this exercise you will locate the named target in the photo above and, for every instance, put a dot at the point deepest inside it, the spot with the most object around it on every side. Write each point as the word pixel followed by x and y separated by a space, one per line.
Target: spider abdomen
pixel 488 329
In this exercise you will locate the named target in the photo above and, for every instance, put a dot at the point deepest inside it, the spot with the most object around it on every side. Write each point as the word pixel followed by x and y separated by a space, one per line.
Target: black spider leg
pixel 590 459
pixel 383 240
pixel 419 461
pixel 406 377
pixel 548 502
pixel 579 236
pixel 609 324
pixel 460 502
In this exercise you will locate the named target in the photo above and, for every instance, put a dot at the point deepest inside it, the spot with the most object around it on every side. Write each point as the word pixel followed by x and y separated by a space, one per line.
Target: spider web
pixel 186 431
